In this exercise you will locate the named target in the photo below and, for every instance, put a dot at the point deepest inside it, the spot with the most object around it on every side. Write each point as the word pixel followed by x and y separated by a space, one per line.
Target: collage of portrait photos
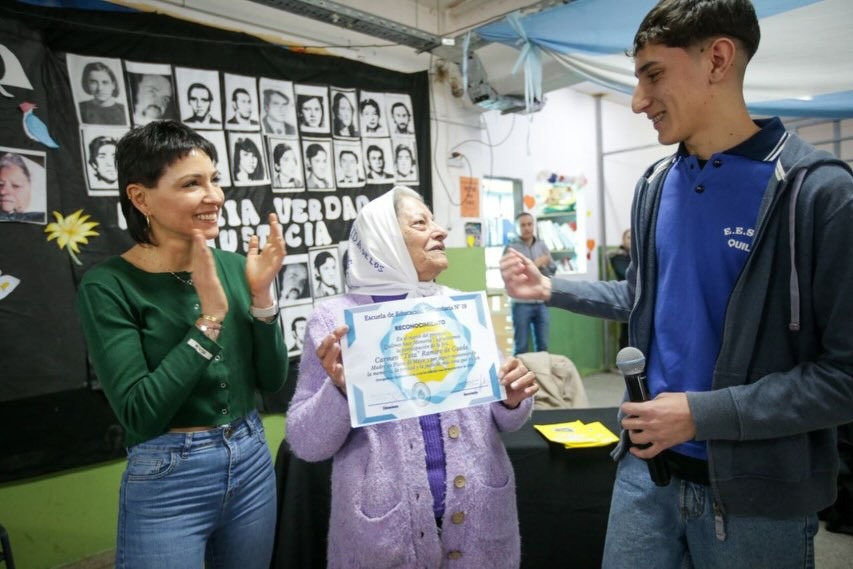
pixel 268 132
pixel 278 136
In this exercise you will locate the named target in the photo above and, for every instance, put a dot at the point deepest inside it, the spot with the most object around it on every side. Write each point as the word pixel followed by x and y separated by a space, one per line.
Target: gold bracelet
pixel 210 318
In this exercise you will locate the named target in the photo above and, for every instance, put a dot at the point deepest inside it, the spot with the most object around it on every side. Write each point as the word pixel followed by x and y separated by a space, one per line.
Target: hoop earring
pixel 148 223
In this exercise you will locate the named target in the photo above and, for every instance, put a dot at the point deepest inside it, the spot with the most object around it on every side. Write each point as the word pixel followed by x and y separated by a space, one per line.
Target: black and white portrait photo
pixel 23 185
pixel 312 109
pixel 317 158
pixel 400 114
pixel 349 167
pixel 344 113
pixel 377 160
pixel 247 161
pixel 371 114
pixel 151 92
pixel 326 272
pixel 198 95
pixel 278 111
pixel 405 163
pixel 294 281
pixel 343 255
pixel 99 156
pixel 293 322
pixel 242 103
pixel 217 138
pixel 97 85
pixel 285 159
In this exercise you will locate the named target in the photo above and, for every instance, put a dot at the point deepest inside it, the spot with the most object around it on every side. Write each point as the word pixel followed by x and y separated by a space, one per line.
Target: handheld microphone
pixel 632 363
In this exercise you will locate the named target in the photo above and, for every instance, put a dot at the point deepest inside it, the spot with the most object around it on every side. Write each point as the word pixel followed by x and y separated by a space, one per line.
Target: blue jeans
pixel 525 315
pixel 674 527
pixel 189 499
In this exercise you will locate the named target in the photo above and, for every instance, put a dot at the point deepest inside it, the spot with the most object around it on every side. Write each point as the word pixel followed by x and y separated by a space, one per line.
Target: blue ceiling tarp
pixel 804 65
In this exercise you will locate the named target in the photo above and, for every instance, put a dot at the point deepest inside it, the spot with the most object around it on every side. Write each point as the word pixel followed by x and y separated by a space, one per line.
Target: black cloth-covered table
pixel 563 498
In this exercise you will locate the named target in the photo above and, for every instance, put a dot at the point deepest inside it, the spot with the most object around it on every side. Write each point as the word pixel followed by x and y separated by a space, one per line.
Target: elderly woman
pixel 417 492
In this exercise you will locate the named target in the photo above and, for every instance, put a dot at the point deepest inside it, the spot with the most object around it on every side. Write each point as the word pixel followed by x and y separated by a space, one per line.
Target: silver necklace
pixel 188 282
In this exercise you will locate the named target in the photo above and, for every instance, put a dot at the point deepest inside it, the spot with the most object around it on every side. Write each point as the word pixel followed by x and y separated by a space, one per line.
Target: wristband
pixel 267 312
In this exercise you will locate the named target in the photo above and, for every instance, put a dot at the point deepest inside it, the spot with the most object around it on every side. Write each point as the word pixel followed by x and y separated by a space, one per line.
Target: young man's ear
pixel 721 53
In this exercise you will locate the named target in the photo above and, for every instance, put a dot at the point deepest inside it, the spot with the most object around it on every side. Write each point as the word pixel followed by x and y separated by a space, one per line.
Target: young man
pixel 738 294
pixel 527 314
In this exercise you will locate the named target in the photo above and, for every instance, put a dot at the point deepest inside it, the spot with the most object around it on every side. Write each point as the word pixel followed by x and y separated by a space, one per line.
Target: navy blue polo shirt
pixel 706 223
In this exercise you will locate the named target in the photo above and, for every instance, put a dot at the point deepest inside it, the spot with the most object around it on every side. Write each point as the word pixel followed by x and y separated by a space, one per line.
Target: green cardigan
pixel 157 369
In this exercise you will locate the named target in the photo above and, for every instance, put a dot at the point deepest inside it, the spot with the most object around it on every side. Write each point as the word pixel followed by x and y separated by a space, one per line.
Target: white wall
pixel 560 138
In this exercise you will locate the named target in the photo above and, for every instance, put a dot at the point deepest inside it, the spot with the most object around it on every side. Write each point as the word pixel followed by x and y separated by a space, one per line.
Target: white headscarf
pixel 379 262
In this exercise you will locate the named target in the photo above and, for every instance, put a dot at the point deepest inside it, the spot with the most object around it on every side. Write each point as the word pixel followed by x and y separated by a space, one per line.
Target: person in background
pixel 317 164
pixel 531 314
pixel 738 294
pixel 275 120
pixel 348 172
pixel 619 261
pixel 376 165
pixel 404 163
pixel 326 275
pixel 297 331
pixel 285 163
pixel 16 190
pixel 310 112
pixel 433 491
pixel 201 100
pixel 99 81
pixel 370 115
pixel 180 336
pixel 401 118
pixel 241 104
pixel 102 160
pixel 247 161
pixel 344 116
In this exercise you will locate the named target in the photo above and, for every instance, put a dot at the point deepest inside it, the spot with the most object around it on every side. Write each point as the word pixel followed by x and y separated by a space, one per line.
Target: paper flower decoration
pixel 71 231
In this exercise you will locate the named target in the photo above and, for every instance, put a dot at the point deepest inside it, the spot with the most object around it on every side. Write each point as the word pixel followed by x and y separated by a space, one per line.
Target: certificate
pixel 419 356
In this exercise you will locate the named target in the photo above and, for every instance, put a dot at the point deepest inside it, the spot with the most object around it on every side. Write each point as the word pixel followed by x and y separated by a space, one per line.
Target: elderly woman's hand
pixel 329 353
pixel 520 382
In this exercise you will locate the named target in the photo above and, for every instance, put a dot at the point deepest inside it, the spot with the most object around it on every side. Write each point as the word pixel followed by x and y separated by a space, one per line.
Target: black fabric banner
pixel 52 413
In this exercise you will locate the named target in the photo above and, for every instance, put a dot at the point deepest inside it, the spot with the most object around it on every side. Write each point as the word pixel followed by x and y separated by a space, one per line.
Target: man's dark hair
pixel 522 214
pixel 278 152
pixel 399 104
pixel 199 86
pixel 684 23
pixel 354 155
pixel 143 154
pixel 321 258
pixel 237 91
pixel 95 145
pixel 295 322
pixel 313 150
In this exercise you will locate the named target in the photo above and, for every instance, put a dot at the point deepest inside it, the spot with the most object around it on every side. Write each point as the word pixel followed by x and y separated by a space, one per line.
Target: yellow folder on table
pixel 578 435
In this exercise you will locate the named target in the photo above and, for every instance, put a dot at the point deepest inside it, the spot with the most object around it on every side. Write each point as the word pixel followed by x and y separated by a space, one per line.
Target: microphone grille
pixel 630 361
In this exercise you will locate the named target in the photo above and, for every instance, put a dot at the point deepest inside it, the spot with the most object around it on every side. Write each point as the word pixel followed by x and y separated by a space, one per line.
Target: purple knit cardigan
pixel 382 512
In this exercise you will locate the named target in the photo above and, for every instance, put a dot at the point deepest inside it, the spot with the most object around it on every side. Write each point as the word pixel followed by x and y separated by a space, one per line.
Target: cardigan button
pixel 700 188
pixel 717 163
pixel 453 432
pixel 459 481
pixel 457 517
pixel 454 555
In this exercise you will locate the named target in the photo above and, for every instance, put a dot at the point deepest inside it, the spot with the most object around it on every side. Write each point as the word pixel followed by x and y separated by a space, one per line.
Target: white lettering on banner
pixel 249 214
